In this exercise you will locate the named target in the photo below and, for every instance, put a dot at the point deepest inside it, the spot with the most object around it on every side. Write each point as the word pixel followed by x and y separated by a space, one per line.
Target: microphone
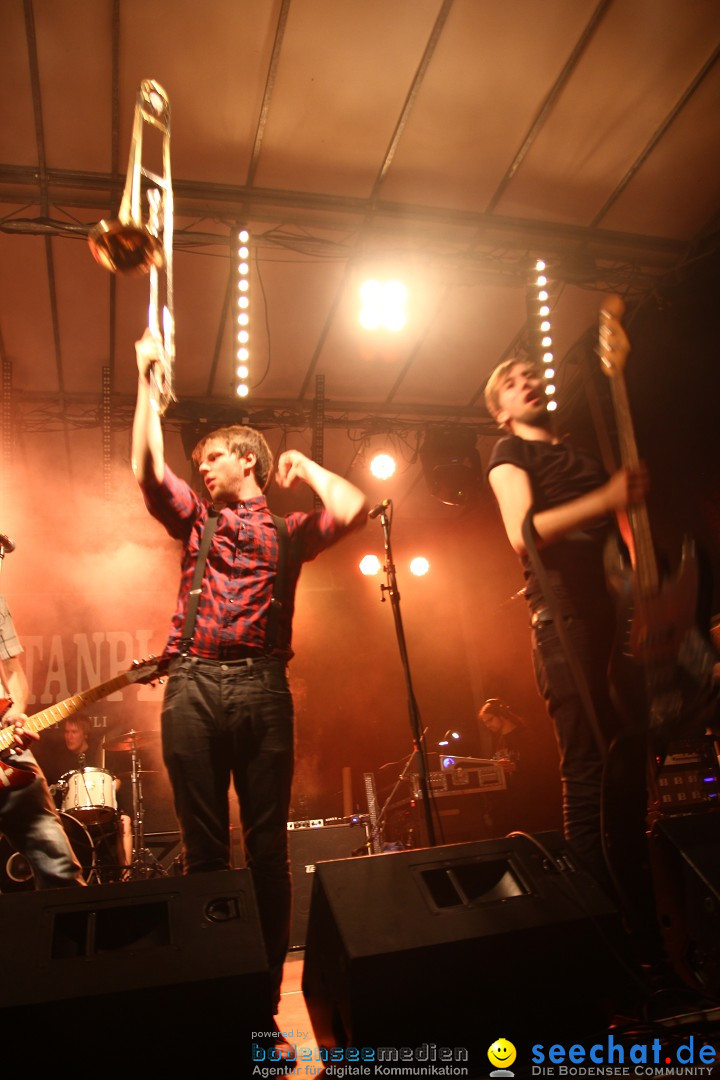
pixel 6 543
pixel 379 509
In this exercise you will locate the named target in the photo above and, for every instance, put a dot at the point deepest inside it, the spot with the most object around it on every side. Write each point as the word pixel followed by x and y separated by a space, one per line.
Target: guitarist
pixel 557 499
pixel 27 814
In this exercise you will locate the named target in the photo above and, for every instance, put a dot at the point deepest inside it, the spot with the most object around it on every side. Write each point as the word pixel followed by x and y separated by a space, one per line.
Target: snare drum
pixel 89 795
pixel 15 872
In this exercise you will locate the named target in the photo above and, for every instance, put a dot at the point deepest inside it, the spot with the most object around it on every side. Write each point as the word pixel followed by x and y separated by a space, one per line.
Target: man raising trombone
pixel 227 710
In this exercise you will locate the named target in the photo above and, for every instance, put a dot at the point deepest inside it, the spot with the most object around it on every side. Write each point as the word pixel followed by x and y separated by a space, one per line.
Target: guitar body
pixel 662 620
pixel 14 776
pixel 654 677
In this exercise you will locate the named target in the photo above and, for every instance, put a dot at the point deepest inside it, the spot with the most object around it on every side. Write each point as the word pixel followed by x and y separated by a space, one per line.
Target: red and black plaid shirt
pixel 240 570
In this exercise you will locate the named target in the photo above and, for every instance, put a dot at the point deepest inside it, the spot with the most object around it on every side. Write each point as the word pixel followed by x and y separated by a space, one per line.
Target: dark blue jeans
pixel 30 821
pixel 226 720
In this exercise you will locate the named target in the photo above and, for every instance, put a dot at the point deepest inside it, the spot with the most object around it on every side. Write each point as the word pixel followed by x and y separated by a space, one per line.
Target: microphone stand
pixel 400 780
pixel 392 590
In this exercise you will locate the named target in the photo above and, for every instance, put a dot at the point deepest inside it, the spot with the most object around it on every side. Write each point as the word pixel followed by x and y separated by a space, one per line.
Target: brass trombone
pixel 127 245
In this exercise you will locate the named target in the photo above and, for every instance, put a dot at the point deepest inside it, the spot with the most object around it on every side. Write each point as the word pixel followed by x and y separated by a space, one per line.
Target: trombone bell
pixel 128 245
pixel 125 249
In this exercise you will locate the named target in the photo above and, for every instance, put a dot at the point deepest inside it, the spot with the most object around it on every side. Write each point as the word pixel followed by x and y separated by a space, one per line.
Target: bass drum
pixel 15 872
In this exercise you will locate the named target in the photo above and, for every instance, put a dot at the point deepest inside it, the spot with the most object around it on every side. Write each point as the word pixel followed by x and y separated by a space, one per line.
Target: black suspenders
pixel 276 604
pixel 279 585
pixel 196 588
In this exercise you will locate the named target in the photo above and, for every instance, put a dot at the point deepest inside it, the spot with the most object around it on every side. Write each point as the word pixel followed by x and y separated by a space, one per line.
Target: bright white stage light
pixel 370 565
pixel 383 305
pixel 382 466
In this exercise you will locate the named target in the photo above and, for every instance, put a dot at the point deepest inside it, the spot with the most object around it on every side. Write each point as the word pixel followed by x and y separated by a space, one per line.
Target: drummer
pixel 76 733
pixel 78 753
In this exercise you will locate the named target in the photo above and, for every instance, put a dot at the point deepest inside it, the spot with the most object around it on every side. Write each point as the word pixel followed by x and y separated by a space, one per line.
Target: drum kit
pixel 91 820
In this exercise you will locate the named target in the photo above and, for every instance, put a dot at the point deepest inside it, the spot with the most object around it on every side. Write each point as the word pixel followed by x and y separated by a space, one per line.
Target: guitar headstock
pixel 146 671
pixel 613 345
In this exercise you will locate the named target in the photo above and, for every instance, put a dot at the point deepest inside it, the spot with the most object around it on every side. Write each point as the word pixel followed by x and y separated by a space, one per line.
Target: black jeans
pixel 234 719
pixel 581 759
pixel 604 792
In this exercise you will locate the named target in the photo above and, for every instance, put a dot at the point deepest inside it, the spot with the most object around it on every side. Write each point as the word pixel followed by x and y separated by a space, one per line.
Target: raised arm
pixel 341 499
pixel 148 454
pixel 511 486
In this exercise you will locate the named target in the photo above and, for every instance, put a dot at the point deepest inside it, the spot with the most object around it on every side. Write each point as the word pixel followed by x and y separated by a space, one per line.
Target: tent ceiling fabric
pixel 444 141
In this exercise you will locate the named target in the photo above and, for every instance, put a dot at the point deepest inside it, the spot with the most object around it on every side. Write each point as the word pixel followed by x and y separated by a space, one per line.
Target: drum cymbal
pixel 133 739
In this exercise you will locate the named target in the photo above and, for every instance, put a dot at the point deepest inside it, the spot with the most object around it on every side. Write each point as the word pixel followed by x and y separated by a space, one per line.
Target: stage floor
pixel 293 1019
pixel 677 1028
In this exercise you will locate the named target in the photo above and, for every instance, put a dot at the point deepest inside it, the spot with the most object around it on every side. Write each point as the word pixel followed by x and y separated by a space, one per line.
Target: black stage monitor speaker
pixel 459 946
pixel 134 966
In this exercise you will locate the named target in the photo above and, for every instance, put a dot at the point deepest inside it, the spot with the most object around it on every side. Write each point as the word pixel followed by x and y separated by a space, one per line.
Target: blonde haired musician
pixel 573 506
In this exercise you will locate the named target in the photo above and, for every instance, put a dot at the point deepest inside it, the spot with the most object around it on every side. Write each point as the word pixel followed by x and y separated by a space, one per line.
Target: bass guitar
pixel 15 776
pixel 658 615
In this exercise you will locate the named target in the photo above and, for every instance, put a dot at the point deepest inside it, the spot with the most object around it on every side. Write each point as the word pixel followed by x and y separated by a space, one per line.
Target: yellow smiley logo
pixel 502 1053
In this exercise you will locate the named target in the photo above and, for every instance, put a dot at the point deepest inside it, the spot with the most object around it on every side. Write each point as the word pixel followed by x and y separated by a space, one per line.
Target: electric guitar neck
pixel 13 776
pixel 662 611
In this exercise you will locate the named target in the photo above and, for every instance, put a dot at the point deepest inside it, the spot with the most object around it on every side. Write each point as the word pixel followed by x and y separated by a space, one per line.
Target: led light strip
pixel 242 320
pixel 541 331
